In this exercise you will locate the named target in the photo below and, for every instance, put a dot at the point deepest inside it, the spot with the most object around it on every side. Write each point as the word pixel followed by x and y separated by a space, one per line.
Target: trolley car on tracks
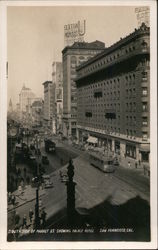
pixel 104 162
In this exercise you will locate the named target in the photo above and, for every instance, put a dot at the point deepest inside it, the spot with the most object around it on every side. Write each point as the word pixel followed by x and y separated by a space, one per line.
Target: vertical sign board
pixel 143 15
pixel 74 32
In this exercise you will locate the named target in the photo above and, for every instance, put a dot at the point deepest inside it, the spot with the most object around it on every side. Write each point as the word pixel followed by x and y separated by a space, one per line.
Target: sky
pixel 35 38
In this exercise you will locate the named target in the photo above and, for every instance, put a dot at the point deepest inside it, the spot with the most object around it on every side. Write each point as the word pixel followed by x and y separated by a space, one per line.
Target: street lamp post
pixel 71 212
pixel 37 217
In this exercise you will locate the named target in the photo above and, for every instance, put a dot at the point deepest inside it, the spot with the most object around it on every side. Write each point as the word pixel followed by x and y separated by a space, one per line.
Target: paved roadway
pixel 93 186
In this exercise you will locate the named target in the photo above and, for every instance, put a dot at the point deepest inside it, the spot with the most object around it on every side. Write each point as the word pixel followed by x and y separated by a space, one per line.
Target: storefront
pixel 144 152
pixel 131 151
pixel 117 147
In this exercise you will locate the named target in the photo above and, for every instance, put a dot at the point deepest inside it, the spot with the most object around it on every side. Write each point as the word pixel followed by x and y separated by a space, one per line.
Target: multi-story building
pixel 49 104
pixel 113 97
pixel 73 56
pixel 24 98
pixel 10 106
pixel 57 79
pixel 37 112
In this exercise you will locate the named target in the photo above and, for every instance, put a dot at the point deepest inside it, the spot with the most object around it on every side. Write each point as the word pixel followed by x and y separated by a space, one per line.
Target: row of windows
pixel 113 56
pixel 108 83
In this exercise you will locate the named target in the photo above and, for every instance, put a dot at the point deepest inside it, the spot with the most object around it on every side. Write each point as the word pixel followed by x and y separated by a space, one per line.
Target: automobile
pixel 45 160
pixel 63 176
pixel 48 184
pixel 47 181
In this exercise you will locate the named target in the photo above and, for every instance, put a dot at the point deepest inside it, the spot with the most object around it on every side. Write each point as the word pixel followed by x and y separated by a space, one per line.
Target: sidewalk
pixel 27 195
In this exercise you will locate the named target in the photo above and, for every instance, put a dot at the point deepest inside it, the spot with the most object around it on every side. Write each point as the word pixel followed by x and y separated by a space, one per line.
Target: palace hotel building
pixel 73 56
pixel 113 97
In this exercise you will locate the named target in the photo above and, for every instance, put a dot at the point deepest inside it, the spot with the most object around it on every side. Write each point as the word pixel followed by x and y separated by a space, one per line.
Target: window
pixel 144 121
pixel 144 135
pixel 110 115
pixel 98 94
pixel 88 114
pixel 144 44
pixel 144 75
pixel 144 91
pixel 131 151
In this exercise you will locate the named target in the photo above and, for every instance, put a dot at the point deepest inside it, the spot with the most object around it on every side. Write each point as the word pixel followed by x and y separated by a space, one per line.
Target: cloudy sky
pixel 36 38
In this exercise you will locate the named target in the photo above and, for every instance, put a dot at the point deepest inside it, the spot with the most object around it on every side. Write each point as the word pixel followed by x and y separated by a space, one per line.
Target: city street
pixel 93 187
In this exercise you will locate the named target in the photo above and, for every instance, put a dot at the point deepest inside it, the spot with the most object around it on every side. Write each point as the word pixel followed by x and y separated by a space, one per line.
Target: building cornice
pixel 137 33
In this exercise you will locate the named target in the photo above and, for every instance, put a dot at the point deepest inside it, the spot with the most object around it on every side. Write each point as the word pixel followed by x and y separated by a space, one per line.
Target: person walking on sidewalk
pixel 24 172
pixel 30 214
pixel 13 199
pixel 9 197
pixel 17 218
pixel 43 217
pixel 136 165
pixel 24 221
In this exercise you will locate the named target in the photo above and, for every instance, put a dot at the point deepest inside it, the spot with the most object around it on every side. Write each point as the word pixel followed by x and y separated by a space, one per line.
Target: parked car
pixel 63 176
pixel 47 181
pixel 45 160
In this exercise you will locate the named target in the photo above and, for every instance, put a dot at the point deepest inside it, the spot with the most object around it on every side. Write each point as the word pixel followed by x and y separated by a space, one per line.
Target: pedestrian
pixel 28 180
pixel 30 214
pixel 19 172
pixel 25 172
pixel 129 164
pixel 13 199
pixel 17 218
pixel 22 183
pixel 24 221
pixel 136 164
pixel 9 197
pixel 43 217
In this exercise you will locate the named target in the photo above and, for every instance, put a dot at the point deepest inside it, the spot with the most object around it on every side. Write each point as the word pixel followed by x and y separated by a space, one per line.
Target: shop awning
pixel 92 139
pixel 144 148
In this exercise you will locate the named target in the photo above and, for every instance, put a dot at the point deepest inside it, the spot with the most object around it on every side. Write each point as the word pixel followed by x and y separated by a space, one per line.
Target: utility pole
pixel 37 218
pixel 71 212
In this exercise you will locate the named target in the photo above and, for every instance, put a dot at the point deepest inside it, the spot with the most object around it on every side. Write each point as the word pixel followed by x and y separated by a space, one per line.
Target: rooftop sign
pixel 74 32
pixel 143 15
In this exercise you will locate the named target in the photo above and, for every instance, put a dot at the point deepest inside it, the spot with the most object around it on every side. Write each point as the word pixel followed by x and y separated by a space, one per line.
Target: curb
pixel 12 209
